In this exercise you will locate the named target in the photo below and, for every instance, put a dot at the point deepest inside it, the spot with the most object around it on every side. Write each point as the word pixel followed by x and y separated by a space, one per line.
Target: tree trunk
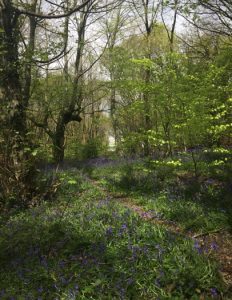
pixel 147 118
pixel 11 94
pixel 58 145
pixel 58 138
pixel 113 110
pixel 71 113
pixel 13 110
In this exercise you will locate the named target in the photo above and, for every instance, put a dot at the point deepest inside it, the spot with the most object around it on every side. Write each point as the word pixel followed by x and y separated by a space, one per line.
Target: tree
pixel 210 16
pixel 113 26
pixel 14 92
pixel 129 69
pixel 70 108
pixel 174 6
pixel 148 13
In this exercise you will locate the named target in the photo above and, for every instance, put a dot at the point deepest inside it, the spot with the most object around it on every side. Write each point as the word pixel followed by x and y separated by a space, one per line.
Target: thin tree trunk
pixel 58 142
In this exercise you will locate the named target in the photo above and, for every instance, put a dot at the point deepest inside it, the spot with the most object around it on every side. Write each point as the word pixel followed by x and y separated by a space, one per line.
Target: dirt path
pixel 217 245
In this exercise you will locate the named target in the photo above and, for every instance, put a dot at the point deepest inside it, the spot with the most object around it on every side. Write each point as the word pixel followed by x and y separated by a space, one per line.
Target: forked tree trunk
pixel 58 137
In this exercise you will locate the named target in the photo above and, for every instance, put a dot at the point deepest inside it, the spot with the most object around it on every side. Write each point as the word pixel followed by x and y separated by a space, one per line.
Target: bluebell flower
pixel 102 247
pixel 214 292
pixel 197 247
pixel 160 251
pixel 109 231
pixel 130 281
pixel 214 246
pixel 56 287
pixel 44 262
pixel 63 280
pixel 124 226
pixel 62 263
pixel 157 282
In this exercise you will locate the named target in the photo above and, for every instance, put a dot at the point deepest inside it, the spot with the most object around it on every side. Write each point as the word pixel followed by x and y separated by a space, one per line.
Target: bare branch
pixel 51 16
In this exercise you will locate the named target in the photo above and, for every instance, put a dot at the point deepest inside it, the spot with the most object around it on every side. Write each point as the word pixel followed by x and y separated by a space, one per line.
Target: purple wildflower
pixel 146 215
pixel 56 287
pixel 122 229
pixel 62 263
pixel 124 226
pixel 135 251
pixel 145 250
pixel 44 262
pixel 63 280
pixel 157 282
pixel 161 273
pixel 109 231
pixel 214 292
pixel 122 293
pixel 160 251
pixel 197 247
pixel 130 281
pixel 102 247
pixel 214 246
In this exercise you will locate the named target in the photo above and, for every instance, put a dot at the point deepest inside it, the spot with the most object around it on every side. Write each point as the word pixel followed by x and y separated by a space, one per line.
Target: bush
pixel 92 149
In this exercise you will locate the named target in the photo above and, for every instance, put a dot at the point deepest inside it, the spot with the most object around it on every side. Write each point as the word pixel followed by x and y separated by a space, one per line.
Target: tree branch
pixel 50 16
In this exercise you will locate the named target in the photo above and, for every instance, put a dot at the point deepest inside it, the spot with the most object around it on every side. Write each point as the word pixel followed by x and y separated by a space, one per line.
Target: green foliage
pixel 188 101
pixel 169 188
pixel 92 149
pixel 86 246
pixel 175 108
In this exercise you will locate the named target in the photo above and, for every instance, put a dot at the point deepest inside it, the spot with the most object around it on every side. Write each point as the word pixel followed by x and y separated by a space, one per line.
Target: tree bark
pixel 11 94
pixel 58 137
pixel 72 112
pixel 13 109
pixel 58 142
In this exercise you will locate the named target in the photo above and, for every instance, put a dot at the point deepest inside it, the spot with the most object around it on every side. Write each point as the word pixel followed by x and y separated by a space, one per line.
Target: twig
pixel 208 232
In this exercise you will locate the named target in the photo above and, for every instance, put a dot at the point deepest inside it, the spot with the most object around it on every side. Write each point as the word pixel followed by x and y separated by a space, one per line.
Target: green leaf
pixel 72 181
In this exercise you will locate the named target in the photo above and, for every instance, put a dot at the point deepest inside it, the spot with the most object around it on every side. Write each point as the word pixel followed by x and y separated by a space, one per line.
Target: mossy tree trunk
pixel 13 109
pixel 58 137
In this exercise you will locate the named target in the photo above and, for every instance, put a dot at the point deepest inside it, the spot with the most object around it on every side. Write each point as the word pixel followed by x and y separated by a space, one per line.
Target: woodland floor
pixel 106 238
pixel 222 239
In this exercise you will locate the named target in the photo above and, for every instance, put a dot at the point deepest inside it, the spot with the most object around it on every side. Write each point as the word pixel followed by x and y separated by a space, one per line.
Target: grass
pixel 85 245
pixel 194 206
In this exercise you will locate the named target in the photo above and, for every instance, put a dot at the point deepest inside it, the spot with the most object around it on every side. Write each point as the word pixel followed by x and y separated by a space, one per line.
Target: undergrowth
pixel 195 204
pixel 87 246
